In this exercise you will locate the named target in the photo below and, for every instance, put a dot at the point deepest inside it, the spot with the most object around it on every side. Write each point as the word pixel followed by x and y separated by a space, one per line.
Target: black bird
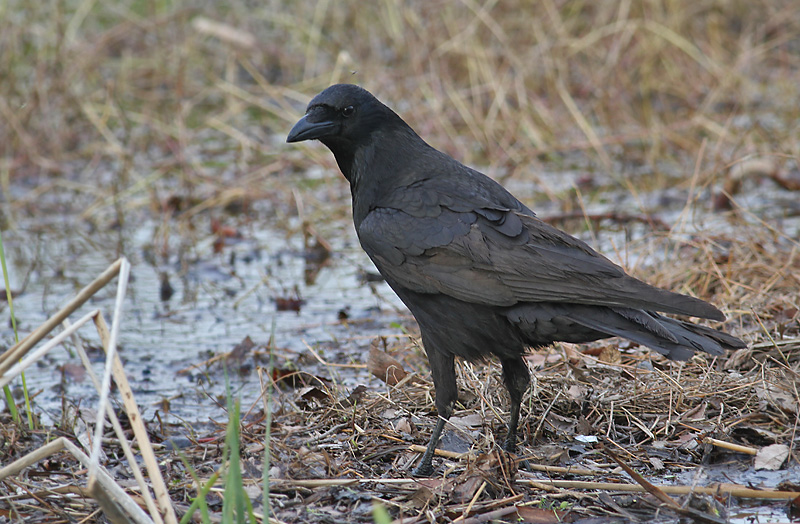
pixel 479 271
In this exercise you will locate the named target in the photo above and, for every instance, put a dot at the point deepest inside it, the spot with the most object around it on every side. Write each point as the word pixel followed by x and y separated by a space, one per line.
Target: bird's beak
pixel 304 129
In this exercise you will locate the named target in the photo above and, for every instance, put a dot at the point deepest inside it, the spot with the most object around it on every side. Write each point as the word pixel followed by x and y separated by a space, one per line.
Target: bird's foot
pixel 425 469
pixel 510 444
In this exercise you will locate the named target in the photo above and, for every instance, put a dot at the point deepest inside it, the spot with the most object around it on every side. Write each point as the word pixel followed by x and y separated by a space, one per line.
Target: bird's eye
pixel 348 111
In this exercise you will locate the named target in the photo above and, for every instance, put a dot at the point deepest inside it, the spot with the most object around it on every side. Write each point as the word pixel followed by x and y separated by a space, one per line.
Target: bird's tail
pixel 675 339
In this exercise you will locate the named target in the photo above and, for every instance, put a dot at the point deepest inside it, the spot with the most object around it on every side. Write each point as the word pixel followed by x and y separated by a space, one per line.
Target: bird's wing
pixel 436 254
pixel 502 257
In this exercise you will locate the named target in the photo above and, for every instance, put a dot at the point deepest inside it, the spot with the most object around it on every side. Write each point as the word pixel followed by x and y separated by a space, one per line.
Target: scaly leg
pixel 444 381
pixel 517 378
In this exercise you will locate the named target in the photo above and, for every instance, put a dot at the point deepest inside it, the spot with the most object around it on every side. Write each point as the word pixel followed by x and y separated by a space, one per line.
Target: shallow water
pixel 217 300
pixel 222 296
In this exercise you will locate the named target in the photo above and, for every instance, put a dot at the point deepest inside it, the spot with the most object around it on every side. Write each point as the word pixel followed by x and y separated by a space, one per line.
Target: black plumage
pixel 479 271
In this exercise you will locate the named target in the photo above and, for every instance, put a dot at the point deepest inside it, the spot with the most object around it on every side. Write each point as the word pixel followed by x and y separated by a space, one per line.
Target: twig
pixel 491 515
pixel 733 447
pixel 139 430
pixel 442 452
pixel 133 464
pixel 662 496
pixel 13 371
pixel 646 484
pixel 17 351
pixel 468 509
pixel 569 470
pixel 722 489
pixel 103 478
pixel 110 346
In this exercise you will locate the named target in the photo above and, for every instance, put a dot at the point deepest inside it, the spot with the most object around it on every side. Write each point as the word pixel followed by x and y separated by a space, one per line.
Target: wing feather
pixel 502 257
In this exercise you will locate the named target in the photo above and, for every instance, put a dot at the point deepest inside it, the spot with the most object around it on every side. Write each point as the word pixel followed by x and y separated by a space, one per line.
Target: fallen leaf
pixel 404 425
pixel 771 457
pixel 289 303
pixel 696 413
pixel 356 395
pixel 541 359
pixel 383 365
pixel 610 355
pixel 473 420
pixel 241 351
pixel 577 393
pixel 788 485
pixel 312 393
pixel 421 497
pixel 223 231
pixel 466 489
pixel 538 515
pixel 777 397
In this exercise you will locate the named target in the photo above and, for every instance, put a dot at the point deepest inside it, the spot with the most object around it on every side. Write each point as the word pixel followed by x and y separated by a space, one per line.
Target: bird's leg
pixel 444 381
pixel 425 467
pixel 516 377
pixel 510 444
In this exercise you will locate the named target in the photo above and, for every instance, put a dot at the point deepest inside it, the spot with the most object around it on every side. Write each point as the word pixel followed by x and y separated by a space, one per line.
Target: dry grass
pixel 334 448
pixel 670 85
pixel 145 107
pixel 131 104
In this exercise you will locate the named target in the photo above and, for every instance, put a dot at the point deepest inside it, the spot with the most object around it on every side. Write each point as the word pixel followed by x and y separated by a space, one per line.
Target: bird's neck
pixel 378 167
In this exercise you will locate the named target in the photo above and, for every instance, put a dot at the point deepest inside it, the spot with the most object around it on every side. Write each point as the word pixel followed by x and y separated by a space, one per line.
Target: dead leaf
pixel 657 463
pixel 355 396
pixel 223 231
pixel 738 358
pixel 564 425
pixel 465 491
pixel 541 359
pixel 404 425
pixel 538 515
pixel 421 497
pixel 241 351
pixel 473 420
pixel 610 355
pixel 289 303
pixel 495 469
pixel 584 427
pixel 771 457
pixel 777 397
pixel 296 379
pixel 696 413
pixel 788 485
pixel 442 485
pixel 383 365
pixel 577 393
pixel 312 393
pixel 754 435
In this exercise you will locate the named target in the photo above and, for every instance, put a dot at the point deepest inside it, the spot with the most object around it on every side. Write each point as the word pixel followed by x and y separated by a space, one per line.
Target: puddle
pixel 219 297
pixel 744 511
pixel 217 300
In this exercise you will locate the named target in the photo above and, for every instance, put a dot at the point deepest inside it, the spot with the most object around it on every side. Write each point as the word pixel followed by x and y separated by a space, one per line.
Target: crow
pixel 481 274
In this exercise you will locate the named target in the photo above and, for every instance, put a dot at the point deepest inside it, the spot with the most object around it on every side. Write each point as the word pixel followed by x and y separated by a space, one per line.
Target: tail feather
pixel 675 339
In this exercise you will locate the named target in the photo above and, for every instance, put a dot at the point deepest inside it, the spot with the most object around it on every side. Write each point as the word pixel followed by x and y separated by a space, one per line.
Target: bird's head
pixel 343 115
